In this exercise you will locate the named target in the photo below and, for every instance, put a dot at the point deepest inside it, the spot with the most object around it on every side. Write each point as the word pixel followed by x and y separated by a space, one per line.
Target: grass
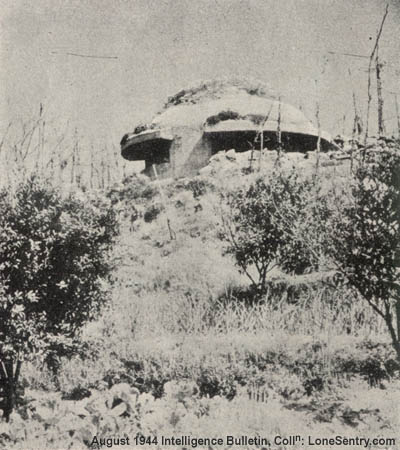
pixel 200 357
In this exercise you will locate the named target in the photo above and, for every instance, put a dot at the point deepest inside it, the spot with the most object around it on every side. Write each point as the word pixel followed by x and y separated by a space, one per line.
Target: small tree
pixel 257 226
pixel 365 237
pixel 53 268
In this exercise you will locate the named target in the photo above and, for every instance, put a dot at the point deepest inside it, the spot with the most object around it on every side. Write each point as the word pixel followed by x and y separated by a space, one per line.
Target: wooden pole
pixel 78 171
pixel 91 167
pixel 172 234
pixel 73 161
pixel 369 72
pixel 318 140
pixel 397 114
pixel 381 125
pixel 279 132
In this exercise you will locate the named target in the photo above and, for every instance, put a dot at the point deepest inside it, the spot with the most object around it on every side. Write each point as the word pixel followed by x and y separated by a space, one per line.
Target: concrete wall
pixel 189 152
pixel 191 149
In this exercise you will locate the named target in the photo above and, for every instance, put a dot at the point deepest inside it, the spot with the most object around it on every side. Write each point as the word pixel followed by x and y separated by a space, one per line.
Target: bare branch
pixel 369 69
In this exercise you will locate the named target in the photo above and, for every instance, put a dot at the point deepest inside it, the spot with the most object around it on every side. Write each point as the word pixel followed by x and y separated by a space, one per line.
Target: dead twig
pixel 371 58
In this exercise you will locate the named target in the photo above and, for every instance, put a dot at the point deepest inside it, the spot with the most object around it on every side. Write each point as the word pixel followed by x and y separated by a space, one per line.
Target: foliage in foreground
pixel 294 224
pixel 365 237
pixel 255 225
pixel 296 367
pixel 123 413
pixel 173 287
pixel 53 273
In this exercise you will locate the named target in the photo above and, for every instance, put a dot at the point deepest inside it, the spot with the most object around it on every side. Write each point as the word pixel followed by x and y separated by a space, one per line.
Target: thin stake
pixel 78 171
pixel 261 131
pixel 344 125
pixel 172 233
pixel 397 114
pixel 318 140
pixel 91 166
pixel 371 58
pixel 357 124
pixel 261 147
pixel 279 133
pixel 73 159
pixel 381 125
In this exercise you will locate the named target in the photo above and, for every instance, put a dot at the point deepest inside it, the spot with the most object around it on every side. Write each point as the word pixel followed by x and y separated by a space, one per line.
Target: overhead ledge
pixel 270 126
pixel 136 146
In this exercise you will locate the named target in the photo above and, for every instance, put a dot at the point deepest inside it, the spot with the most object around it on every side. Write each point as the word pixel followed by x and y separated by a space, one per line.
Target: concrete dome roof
pixel 219 115
pixel 245 107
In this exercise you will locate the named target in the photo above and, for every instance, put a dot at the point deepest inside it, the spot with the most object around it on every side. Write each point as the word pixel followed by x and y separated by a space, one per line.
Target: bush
pixel 54 268
pixel 221 366
pixel 365 236
pixel 222 116
pixel 199 187
pixel 136 188
pixel 152 212
pixel 258 226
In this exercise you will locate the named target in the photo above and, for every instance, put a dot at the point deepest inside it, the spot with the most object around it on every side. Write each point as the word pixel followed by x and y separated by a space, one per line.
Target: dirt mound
pixel 214 89
pixel 234 164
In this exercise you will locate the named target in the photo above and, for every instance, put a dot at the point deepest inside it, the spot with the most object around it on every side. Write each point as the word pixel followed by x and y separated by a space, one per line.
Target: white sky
pixel 162 46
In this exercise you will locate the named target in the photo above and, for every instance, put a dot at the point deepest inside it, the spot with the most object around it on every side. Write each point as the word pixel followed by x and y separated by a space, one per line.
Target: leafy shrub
pixel 135 187
pixel 257 226
pixel 365 236
pixel 374 362
pixel 152 212
pixel 221 116
pixel 122 412
pixel 199 187
pixel 53 273
pixel 223 368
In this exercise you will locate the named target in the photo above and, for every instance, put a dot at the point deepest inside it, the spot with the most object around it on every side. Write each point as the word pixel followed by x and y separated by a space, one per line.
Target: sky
pixel 103 66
